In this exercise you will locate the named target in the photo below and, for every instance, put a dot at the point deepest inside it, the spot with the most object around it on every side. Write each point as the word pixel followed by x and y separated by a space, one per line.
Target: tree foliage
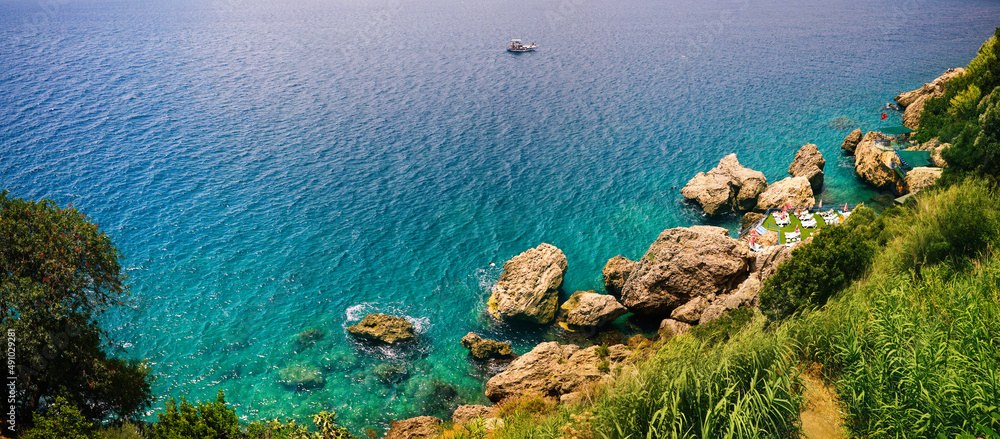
pixel 58 274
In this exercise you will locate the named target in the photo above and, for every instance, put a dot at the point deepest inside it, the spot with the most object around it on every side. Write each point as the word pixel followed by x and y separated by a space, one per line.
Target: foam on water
pixel 267 168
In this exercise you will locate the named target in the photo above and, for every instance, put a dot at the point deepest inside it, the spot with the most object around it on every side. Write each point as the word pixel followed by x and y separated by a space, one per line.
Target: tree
pixel 58 274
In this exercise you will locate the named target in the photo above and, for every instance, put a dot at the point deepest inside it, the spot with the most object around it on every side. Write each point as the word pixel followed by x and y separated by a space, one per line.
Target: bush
pixel 836 256
pixel 205 421
pixel 59 420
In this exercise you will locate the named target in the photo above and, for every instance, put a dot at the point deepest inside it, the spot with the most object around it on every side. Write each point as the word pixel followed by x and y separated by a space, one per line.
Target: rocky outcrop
pixel 768 260
pixel 727 187
pixel 589 310
pixel 483 348
pixel 921 178
pixel 872 163
pixel 936 148
pixel 383 328
pixel 421 427
pixel 691 311
pixel 851 141
pixel 915 100
pixel 554 370
pixel 466 413
pixel 749 219
pixel 615 272
pixel 672 328
pixel 684 263
pixel 528 288
pixel 809 163
pixel 796 191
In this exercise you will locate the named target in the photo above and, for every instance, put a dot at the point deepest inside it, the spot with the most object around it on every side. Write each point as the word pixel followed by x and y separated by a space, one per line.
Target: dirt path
pixel 821 410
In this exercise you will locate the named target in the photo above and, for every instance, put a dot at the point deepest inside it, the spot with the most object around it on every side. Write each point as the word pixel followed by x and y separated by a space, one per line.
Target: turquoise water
pixel 271 167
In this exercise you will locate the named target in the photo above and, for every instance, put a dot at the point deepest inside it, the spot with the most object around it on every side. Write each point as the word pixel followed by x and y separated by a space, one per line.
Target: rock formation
pixel 421 427
pixel 383 328
pixel 795 190
pixel 528 288
pixel 466 413
pixel 920 178
pixel 749 219
pixel 691 311
pixel 727 187
pixel 589 310
pixel 483 348
pixel 615 272
pixel 851 141
pixel 915 100
pixel 554 370
pixel 767 261
pixel 672 328
pixel 873 164
pixel 684 263
pixel 809 163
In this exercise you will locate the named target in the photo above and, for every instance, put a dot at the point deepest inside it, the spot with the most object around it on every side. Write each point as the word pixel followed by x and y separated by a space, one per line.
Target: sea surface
pixel 270 167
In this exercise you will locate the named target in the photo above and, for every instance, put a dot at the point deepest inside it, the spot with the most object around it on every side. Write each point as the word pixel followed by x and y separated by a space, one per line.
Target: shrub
pixel 59 420
pixel 816 271
pixel 205 421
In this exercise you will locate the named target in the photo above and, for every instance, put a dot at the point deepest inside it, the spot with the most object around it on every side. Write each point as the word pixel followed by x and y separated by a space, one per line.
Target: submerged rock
pixel 528 288
pixel 589 310
pixel 421 427
pixel 383 328
pixel 795 190
pixel 809 163
pixel 616 272
pixel 483 348
pixel 553 370
pixel 727 187
pixel 301 376
pixel 683 263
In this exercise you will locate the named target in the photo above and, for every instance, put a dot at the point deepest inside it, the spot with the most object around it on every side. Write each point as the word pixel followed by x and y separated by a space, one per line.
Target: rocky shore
pixel 688 276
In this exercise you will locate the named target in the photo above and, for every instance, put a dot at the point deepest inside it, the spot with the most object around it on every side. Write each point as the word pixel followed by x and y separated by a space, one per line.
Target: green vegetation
pixel 58 274
pixel 968 116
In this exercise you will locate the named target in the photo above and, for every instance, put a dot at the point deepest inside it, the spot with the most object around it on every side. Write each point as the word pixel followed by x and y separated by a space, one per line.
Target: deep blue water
pixel 269 167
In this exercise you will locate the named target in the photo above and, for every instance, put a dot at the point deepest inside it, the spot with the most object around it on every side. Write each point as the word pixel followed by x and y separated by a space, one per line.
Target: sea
pixel 270 168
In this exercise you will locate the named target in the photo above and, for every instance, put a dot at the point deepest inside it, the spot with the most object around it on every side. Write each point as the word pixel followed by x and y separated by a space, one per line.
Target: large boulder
pixel 727 187
pixel 672 328
pixel 872 163
pixel 851 141
pixel 920 178
pixel 684 263
pixel 768 260
pixel 554 370
pixel 915 100
pixel 483 348
pixel 466 413
pixel 615 272
pixel 421 427
pixel 690 312
pixel 589 310
pixel 936 148
pixel 809 163
pixel 383 328
pixel 749 220
pixel 796 191
pixel 528 288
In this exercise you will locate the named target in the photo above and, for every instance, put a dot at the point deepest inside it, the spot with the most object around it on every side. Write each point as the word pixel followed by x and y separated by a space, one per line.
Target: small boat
pixel 516 46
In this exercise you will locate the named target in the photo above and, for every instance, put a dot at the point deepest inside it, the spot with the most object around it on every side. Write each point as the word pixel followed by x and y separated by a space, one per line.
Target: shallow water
pixel 271 167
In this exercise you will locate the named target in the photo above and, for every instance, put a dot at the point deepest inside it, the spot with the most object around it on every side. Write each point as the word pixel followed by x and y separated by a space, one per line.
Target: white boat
pixel 517 46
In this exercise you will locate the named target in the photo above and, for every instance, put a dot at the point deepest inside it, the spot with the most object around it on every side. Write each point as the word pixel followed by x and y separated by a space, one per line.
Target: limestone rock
pixel 809 163
pixel 615 272
pixel 690 312
pixel 767 261
pixel 587 309
pixel 711 313
pixel 915 100
pixel 769 238
pixel 746 293
pixel 301 376
pixel 795 190
pixel 671 328
pixel 528 288
pixel 383 328
pixel 921 178
pixel 936 158
pixel 684 263
pixel 749 219
pixel 935 87
pixel 727 187
pixel 851 141
pixel 466 413
pixel 872 163
pixel 553 370
pixel 483 348
pixel 421 427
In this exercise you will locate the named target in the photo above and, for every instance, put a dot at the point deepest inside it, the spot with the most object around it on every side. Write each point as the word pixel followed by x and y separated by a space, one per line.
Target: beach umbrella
pixel 820 204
